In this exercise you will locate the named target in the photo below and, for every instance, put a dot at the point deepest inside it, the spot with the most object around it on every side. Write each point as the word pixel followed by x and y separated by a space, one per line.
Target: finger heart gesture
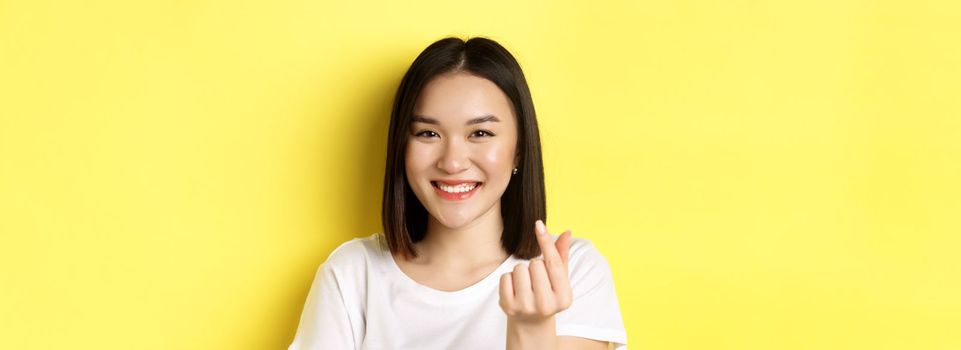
pixel 540 289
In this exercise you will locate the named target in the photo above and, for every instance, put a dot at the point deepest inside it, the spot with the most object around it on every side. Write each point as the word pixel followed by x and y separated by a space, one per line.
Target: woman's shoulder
pixel 357 252
pixel 585 259
pixel 581 249
pixel 588 268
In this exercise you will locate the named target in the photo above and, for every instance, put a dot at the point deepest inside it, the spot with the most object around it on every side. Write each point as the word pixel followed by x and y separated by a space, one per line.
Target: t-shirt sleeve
pixel 332 317
pixel 594 312
pixel 324 323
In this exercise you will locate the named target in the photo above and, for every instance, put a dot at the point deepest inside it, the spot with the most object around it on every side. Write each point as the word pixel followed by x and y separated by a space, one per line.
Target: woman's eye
pixel 482 133
pixel 425 133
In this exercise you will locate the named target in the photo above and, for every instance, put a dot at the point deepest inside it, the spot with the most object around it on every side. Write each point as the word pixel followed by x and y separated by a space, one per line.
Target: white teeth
pixel 458 188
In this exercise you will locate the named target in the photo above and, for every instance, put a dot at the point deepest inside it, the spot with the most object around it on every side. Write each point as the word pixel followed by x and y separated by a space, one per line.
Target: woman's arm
pixel 543 336
pixel 578 343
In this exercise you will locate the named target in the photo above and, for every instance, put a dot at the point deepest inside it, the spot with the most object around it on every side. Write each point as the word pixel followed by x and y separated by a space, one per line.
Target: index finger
pixel 554 261
pixel 551 255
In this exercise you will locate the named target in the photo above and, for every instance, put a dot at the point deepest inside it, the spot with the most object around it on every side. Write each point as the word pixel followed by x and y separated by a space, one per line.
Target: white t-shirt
pixel 360 299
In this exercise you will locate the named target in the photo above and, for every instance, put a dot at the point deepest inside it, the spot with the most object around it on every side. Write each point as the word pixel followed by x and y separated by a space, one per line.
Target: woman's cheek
pixel 498 156
pixel 417 156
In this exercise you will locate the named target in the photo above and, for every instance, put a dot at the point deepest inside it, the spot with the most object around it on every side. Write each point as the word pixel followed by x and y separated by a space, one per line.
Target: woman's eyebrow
pixel 478 120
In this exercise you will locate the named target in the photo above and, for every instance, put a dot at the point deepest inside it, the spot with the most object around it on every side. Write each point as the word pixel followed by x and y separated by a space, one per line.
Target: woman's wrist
pixel 531 334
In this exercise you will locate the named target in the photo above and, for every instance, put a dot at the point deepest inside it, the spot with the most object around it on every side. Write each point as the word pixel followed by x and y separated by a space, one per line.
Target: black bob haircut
pixel 404 218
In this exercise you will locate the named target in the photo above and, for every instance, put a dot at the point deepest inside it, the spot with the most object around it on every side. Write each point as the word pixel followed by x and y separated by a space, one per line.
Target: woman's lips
pixel 458 192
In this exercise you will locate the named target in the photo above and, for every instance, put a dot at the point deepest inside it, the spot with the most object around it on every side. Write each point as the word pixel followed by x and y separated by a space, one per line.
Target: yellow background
pixel 760 174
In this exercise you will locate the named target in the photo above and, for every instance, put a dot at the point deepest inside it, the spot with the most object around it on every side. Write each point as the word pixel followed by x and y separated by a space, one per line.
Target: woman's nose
pixel 455 158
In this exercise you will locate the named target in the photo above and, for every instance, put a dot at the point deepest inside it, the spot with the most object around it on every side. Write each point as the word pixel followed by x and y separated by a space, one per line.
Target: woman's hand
pixel 535 292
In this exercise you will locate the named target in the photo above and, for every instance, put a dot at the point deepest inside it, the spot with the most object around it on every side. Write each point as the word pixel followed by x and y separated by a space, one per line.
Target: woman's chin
pixel 454 219
pixel 460 216
pixel 454 223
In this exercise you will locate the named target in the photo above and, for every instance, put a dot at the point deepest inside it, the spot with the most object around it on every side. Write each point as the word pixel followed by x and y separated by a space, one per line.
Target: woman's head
pixel 463 115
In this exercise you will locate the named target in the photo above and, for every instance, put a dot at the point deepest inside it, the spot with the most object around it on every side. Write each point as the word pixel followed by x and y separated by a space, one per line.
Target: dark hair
pixel 523 202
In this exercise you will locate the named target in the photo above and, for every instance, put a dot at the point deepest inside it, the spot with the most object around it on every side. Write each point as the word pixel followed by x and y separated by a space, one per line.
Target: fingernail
pixel 541 230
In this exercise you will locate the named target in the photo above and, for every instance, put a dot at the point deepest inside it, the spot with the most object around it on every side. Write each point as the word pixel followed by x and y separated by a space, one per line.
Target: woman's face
pixel 461 148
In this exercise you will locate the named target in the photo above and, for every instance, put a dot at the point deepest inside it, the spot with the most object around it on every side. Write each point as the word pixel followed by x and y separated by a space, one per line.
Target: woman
pixel 465 261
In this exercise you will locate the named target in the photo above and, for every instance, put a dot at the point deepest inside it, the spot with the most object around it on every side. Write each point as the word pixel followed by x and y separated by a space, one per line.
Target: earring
pixel 515 171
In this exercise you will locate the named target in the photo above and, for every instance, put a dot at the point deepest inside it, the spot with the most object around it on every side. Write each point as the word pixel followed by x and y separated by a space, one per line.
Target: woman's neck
pixel 477 243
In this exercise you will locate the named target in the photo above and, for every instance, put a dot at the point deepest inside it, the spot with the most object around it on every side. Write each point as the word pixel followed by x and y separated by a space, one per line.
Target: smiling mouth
pixel 455 189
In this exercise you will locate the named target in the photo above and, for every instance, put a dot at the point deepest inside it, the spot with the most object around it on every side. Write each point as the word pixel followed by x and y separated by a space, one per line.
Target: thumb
pixel 563 245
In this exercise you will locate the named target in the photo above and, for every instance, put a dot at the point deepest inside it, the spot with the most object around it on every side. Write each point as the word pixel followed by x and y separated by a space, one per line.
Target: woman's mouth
pixel 456 192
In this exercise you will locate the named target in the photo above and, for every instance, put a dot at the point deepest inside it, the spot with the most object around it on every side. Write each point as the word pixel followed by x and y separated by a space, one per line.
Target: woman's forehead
pixel 462 98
